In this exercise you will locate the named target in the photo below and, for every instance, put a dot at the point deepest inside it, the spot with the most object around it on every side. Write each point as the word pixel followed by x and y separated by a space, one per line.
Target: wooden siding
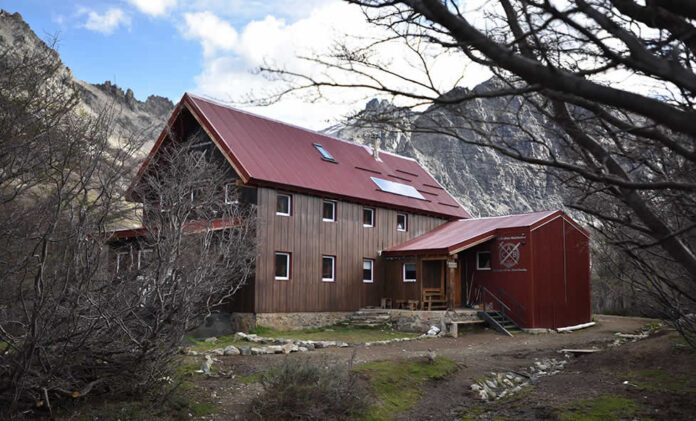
pixel 308 238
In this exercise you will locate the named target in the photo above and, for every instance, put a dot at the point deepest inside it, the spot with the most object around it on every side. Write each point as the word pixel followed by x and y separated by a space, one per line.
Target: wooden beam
pixel 451 272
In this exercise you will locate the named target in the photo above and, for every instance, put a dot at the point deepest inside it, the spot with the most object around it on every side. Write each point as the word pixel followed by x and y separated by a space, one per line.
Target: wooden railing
pixel 433 297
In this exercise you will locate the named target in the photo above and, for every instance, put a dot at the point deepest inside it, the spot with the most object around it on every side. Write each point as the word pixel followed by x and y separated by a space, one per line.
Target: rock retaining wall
pixel 420 321
pixel 295 321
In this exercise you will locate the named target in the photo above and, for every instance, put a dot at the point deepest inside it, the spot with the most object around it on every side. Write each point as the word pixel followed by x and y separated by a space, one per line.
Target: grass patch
pixel 346 334
pixel 603 408
pixel 659 380
pixel 199 345
pixel 472 414
pixel 396 384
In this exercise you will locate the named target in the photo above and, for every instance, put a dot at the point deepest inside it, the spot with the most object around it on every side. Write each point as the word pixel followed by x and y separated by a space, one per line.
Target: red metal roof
pixel 268 152
pixel 457 235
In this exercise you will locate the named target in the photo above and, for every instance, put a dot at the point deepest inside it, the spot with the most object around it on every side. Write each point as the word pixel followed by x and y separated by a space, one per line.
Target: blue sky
pixel 147 54
pixel 209 47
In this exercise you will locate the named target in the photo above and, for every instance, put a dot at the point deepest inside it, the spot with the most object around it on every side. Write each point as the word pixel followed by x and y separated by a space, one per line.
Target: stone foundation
pixel 420 321
pixel 296 321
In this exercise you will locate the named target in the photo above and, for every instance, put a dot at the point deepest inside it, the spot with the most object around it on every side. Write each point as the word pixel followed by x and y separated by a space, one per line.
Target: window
pixel 283 204
pixel 409 271
pixel 328 268
pixel 483 260
pixel 368 217
pixel 144 257
pixel 231 194
pixel 368 271
pixel 282 266
pixel 329 212
pixel 325 155
pixel 401 222
pixel 122 261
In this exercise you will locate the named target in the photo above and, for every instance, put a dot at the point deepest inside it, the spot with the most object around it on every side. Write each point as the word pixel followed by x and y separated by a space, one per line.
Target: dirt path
pixel 477 352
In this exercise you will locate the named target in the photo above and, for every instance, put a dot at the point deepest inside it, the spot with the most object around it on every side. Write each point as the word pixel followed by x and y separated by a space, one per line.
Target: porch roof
pixel 455 236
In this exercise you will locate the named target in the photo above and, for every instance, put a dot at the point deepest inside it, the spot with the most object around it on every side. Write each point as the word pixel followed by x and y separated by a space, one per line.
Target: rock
pixel 241 335
pixel 491 384
pixel 217 351
pixel 475 387
pixel 288 348
pixel 207 364
pixel 257 351
pixel 302 349
pixel 231 350
pixel 191 352
pixel 211 340
pixel 274 349
pixel 434 330
pixel 245 350
pixel 341 344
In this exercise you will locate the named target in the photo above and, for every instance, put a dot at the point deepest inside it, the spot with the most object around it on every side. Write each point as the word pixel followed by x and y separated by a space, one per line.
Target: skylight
pixel 397 188
pixel 325 155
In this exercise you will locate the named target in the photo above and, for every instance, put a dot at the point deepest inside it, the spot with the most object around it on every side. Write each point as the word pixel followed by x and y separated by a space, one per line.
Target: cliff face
pixel 484 181
pixel 132 117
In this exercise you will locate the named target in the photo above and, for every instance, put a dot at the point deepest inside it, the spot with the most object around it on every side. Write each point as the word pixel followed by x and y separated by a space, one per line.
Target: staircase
pixel 497 319
pixel 370 317
pixel 500 322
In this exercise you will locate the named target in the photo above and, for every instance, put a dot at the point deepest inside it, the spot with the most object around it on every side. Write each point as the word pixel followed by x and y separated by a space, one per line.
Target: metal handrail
pixel 486 291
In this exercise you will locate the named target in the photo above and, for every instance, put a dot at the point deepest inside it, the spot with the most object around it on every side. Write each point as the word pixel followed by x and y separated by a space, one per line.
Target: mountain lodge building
pixel 342 226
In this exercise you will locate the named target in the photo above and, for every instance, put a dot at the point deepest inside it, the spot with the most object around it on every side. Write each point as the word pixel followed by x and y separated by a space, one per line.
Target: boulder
pixel 231 350
pixel 274 349
pixel 217 351
pixel 245 350
pixel 211 340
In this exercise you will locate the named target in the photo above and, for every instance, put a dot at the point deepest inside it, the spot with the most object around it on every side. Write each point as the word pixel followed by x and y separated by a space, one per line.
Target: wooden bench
pixel 434 299
pixel 454 326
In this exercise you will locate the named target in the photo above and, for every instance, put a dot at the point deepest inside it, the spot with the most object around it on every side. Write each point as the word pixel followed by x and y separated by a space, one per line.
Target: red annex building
pixel 536 264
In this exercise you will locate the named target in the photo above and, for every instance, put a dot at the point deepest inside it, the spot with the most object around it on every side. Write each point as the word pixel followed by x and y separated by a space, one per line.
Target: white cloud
pixel 105 23
pixel 229 58
pixel 154 7
pixel 213 33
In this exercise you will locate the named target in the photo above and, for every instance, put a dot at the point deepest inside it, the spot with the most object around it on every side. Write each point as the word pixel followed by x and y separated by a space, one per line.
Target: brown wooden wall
pixel 308 238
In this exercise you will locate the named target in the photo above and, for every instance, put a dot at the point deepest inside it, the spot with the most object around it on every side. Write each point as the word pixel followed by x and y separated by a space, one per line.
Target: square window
pixel 231 194
pixel 283 204
pixel 368 217
pixel 144 257
pixel 409 272
pixel 328 268
pixel 483 260
pixel 329 211
pixel 122 263
pixel 282 266
pixel 368 271
pixel 401 222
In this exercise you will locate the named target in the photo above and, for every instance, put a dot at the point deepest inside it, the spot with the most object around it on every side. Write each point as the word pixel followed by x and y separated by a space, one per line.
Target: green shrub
pixel 302 390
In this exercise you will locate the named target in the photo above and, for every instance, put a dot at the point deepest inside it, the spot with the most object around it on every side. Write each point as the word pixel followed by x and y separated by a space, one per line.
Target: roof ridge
pixel 367 148
pixel 508 216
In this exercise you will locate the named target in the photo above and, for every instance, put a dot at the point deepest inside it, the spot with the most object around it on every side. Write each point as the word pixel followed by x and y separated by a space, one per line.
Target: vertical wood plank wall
pixel 308 238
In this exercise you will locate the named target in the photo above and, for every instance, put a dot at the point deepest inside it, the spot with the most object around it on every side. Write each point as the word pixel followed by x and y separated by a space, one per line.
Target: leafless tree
pixel 70 324
pixel 628 151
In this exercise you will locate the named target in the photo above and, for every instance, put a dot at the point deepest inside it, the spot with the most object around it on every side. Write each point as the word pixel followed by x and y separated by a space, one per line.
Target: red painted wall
pixel 510 277
pixel 561 280
pixel 546 282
